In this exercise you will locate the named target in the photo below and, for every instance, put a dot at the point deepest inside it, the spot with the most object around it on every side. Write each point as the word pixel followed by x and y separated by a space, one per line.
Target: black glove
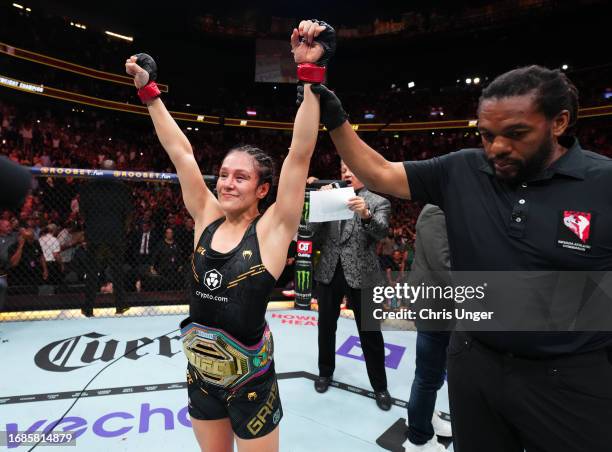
pixel 332 113
pixel 147 62
pixel 327 38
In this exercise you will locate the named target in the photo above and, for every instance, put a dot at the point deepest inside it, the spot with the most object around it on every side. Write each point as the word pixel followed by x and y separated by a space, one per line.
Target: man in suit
pixel 431 266
pixel 105 206
pixel 142 244
pixel 348 266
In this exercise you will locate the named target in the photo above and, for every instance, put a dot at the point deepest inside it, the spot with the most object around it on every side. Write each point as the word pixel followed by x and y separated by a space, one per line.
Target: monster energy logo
pixel 303 280
pixel 305 211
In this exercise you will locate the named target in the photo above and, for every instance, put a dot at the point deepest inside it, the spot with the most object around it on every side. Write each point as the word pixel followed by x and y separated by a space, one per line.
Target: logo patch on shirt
pixel 575 230
pixel 213 279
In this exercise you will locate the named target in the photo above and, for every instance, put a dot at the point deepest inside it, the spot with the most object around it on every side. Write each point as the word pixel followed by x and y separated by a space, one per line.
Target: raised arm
pixel 199 200
pixel 376 172
pixel 284 215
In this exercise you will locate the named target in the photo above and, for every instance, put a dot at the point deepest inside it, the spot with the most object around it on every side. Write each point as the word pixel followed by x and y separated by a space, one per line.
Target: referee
pixel 532 200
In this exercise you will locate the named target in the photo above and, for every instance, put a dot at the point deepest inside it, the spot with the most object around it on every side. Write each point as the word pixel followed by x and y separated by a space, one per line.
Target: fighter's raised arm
pixel 312 47
pixel 199 200
pixel 376 172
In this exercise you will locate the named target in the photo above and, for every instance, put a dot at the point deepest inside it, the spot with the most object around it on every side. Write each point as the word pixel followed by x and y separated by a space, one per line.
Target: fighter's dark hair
pixel 263 164
pixel 553 91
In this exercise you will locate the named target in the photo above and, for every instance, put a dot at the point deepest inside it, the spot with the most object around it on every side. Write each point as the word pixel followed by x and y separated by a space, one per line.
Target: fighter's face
pixel 347 175
pixel 518 139
pixel 238 186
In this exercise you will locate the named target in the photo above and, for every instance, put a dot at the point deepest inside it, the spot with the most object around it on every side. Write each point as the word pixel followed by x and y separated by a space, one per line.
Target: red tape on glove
pixel 312 73
pixel 149 92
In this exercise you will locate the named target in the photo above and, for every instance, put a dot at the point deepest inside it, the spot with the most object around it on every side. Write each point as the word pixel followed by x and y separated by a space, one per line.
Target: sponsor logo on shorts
pixel 259 420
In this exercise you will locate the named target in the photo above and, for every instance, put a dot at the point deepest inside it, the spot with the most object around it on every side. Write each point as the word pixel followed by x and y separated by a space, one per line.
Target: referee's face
pixel 519 141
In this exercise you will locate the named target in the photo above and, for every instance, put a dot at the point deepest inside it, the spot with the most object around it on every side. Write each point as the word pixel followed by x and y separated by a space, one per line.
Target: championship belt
pixel 223 361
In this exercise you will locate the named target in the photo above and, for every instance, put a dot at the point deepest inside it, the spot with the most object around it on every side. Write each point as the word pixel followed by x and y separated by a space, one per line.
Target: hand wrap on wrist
pixel 311 73
pixel 149 92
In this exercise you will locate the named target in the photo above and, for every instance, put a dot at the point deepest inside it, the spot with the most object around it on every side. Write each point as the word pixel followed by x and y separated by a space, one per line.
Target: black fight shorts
pixel 254 409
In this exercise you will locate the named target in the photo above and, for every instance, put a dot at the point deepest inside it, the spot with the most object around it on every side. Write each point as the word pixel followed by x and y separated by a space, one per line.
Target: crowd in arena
pixel 391 101
pixel 48 229
pixel 51 228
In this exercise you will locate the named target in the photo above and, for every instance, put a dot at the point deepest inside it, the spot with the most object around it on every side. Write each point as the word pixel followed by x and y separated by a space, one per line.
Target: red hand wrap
pixel 149 92
pixel 308 72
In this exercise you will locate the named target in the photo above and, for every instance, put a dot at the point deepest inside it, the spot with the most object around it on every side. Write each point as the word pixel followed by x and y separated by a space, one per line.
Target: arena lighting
pixel 196 129
pixel 564 67
pixel 410 84
pixel 189 128
pixel 17 5
pixel 187 105
pixel 476 80
pixel 251 113
pixel 29 10
pixel 118 36
pixel 468 81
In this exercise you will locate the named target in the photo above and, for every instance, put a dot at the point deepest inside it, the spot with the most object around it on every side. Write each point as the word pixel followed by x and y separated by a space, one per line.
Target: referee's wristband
pixel 149 92
pixel 311 73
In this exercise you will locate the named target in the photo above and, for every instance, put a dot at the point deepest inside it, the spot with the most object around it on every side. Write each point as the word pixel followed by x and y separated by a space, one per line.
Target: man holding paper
pixel 349 266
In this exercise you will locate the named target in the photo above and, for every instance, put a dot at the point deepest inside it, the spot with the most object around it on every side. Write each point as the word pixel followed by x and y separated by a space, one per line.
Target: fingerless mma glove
pixel 315 73
pixel 150 91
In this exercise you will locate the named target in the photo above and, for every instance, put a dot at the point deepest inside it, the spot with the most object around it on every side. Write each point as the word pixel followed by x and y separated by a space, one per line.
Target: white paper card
pixel 330 205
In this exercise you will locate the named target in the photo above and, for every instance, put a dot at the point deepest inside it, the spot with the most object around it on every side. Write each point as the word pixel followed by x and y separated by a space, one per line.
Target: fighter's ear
pixel 263 190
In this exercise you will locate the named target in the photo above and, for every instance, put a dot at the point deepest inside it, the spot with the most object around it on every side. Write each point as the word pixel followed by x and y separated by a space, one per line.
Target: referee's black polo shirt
pixel 558 220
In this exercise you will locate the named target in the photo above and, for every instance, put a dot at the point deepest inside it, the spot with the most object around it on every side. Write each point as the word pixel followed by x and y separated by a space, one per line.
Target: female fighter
pixel 238 255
